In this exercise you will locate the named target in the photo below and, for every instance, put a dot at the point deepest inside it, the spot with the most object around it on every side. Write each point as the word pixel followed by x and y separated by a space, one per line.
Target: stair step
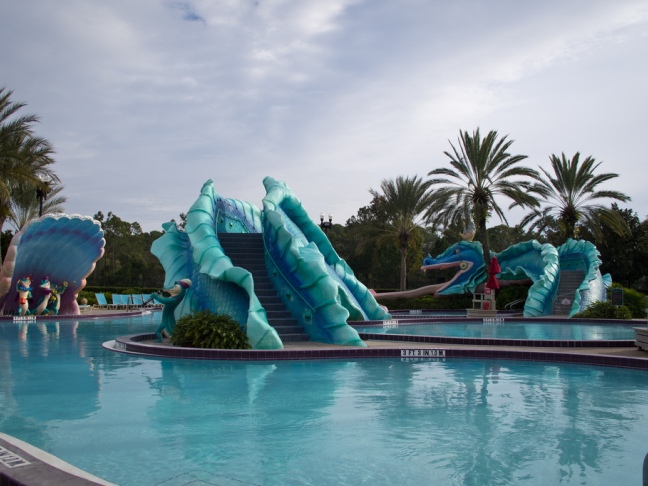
pixel 246 250
pixel 279 321
pixel 295 338
pixel 296 329
pixel 570 280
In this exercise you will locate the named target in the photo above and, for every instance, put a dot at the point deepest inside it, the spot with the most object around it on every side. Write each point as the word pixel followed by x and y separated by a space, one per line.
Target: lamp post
pixel 42 194
pixel 326 225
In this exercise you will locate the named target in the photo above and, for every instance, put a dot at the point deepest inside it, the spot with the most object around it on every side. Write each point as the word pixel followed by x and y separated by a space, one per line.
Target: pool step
pixel 246 251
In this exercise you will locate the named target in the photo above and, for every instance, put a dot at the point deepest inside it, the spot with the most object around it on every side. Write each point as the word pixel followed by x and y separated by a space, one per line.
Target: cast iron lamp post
pixel 326 225
pixel 42 194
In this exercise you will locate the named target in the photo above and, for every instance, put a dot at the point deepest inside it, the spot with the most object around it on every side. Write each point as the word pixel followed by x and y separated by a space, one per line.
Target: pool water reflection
pixel 142 421
pixel 509 329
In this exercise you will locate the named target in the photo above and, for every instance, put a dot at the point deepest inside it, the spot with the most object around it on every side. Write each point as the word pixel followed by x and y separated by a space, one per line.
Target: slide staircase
pixel 570 281
pixel 245 250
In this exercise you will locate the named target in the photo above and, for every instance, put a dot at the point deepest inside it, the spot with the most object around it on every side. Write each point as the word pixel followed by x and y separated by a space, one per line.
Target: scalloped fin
pixel 218 284
pixel 319 287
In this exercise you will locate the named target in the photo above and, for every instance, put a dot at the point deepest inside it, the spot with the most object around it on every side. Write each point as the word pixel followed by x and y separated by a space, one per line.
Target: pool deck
pixel 23 464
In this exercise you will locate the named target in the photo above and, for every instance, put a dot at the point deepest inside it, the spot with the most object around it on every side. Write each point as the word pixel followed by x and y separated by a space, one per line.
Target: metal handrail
pixel 511 304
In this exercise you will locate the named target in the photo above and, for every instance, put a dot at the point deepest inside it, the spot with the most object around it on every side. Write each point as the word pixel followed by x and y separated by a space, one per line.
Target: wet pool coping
pixel 22 464
pixel 621 354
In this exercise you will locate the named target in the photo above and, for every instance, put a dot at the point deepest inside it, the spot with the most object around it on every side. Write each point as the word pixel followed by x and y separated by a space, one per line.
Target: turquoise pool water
pixel 503 329
pixel 139 421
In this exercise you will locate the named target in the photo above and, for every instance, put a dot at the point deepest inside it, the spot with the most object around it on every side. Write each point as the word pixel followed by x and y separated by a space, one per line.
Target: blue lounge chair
pixel 120 301
pixel 101 301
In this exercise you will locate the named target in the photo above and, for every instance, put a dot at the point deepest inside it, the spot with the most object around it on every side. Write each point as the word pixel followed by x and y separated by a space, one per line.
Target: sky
pixel 144 101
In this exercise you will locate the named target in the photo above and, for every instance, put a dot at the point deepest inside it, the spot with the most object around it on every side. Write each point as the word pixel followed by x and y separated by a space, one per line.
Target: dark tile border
pixel 423 319
pixel 535 343
pixel 77 317
pixel 145 345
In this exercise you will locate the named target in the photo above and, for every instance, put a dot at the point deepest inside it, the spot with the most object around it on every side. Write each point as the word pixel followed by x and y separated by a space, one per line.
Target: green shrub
pixel 604 310
pixel 206 330
pixel 633 300
pixel 89 296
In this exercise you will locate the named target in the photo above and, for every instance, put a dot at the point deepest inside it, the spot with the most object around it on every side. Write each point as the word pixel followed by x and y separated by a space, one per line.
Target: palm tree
pixel 401 202
pixel 25 206
pixel 25 159
pixel 481 169
pixel 570 192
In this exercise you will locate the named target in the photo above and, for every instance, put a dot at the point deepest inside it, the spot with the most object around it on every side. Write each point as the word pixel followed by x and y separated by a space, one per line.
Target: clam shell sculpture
pixel 61 248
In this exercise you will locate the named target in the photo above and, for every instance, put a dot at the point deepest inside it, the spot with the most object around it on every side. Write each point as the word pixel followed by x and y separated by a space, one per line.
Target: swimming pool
pixel 141 421
pixel 546 330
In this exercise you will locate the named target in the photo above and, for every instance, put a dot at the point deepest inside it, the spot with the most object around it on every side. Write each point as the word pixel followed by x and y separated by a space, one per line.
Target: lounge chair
pixel 120 301
pixel 101 301
pixel 149 302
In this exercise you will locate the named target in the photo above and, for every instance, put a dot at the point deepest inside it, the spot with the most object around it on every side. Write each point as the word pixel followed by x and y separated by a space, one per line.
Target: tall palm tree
pixel 25 206
pixel 24 157
pixel 569 196
pixel 401 202
pixel 481 170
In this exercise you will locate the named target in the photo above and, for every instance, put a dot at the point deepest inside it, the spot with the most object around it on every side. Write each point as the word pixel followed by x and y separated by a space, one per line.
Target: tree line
pixel 460 201
pixel 385 242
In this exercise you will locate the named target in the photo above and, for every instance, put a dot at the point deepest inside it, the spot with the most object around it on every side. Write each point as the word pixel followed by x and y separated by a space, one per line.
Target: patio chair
pixel 137 300
pixel 101 301
pixel 120 301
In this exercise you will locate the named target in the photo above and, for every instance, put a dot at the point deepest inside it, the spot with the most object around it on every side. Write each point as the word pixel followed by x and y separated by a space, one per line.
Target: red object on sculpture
pixel 493 270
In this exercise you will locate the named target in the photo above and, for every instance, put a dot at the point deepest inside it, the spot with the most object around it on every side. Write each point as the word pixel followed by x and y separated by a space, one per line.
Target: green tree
pixel 375 261
pixel 570 192
pixel 25 159
pixel 25 206
pixel 624 257
pixel 127 261
pixel 401 203
pixel 481 170
pixel 500 237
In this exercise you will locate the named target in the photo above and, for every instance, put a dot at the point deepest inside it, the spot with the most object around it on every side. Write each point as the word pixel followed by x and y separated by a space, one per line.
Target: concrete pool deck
pixel 24 464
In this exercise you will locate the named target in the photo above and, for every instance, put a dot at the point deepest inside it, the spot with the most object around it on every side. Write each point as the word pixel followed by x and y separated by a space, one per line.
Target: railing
pixel 510 305
pixel 285 279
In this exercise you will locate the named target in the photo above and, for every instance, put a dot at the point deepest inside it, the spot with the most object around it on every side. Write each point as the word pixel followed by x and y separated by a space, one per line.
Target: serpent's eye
pixel 463 265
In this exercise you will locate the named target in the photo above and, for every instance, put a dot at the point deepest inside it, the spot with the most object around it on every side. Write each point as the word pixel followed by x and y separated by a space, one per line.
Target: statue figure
pixel 24 288
pixel 176 294
pixel 41 306
pixel 54 304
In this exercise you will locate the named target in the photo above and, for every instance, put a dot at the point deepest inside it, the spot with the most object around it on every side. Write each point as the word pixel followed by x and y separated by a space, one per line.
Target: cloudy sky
pixel 145 100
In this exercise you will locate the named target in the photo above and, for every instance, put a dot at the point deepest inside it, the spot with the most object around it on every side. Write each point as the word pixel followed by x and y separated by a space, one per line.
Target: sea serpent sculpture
pixel 315 285
pixel 529 262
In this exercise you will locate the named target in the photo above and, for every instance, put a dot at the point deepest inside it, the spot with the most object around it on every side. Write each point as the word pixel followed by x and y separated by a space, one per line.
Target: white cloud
pixel 144 101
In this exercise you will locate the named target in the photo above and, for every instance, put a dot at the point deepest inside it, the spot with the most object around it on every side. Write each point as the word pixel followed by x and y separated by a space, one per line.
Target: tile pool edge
pixel 146 346
pixel 532 343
